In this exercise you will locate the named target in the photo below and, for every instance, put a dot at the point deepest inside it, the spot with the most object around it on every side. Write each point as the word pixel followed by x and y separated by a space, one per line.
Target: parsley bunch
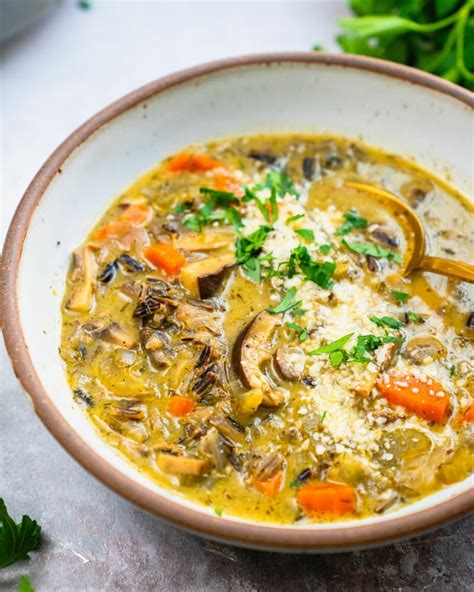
pixel 16 540
pixel 434 35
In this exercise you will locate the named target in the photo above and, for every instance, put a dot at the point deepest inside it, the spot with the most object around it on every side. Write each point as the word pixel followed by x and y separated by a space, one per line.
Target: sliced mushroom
pixel 251 349
pixel 204 278
pixel 156 345
pixel 383 357
pixel 84 271
pixel 181 465
pixel 212 447
pixel 423 350
pixel 206 240
pixel 289 362
pixel 383 236
pixel 416 191
pixel 116 335
pixel 196 317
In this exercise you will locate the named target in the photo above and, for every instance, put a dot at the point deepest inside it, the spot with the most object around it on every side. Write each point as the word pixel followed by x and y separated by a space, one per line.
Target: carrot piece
pixel 179 406
pixel 228 183
pixel 166 257
pixel 192 163
pixel 269 487
pixel 467 416
pixel 136 214
pixel 133 215
pixel 424 397
pixel 325 497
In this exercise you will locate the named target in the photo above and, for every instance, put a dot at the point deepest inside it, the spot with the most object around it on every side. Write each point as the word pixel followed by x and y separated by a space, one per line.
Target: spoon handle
pixel 448 267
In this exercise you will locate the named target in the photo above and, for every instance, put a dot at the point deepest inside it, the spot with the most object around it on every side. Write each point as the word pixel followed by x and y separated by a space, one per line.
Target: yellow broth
pixel 256 438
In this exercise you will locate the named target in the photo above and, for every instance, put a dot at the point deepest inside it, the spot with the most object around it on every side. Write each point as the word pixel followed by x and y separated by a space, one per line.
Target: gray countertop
pixel 53 77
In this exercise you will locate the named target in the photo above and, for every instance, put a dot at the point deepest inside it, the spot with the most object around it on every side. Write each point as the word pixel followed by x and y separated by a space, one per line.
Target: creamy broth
pixel 237 325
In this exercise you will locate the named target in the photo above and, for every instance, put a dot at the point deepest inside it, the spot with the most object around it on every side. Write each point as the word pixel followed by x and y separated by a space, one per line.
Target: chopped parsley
pixel 279 185
pixel 324 249
pixel 314 271
pixel 218 511
pixel 302 332
pixel 365 344
pixel 401 297
pixel 386 321
pixel 322 416
pixel 305 233
pixel 412 317
pixel 253 269
pixel 373 250
pixel 452 371
pixel 278 182
pixel 352 221
pixel 247 247
pixel 294 218
pixel 25 585
pixel 219 207
pixel 287 303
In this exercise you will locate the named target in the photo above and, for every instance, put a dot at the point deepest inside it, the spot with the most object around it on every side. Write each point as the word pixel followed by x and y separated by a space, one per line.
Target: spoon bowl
pixel 415 257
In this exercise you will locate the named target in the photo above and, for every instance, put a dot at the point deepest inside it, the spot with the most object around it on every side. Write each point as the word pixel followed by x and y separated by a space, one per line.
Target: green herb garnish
pixel 314 271
pixel 386 321
pixel 322 416
pixel 374 251
pixel 436 36
pixel 16 540
pixel 324 249
pixel 306 233
pixel 413 317
pixel 287 303
pixel 294 218
pixel 302 332
pixel 218 511
pixel 452 371
pixel 352 221
pixel 333 346
pixel 247 247
pixel 401 297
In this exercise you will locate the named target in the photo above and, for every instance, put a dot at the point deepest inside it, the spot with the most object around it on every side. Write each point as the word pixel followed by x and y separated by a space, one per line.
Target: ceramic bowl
pixel 392 107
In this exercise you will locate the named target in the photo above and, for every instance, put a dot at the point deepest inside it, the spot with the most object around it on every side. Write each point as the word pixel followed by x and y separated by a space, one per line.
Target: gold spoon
pixel 415 258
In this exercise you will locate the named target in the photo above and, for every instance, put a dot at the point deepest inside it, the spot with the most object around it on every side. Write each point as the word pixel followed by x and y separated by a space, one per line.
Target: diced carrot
pixel 424 397
pixel 136 214
pixel 192 163
pixel 132 215
pixel 269 487
pixel 467 416
pixel 114 229
pixel 166 257
pixel 228 183
pixel 179 406
pixel 325 497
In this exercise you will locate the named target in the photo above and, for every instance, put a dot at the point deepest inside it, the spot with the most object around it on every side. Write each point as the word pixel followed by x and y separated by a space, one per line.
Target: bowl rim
pixel 266 536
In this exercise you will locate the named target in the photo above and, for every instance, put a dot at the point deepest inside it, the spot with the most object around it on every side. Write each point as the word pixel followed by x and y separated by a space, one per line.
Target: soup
pixel 238 326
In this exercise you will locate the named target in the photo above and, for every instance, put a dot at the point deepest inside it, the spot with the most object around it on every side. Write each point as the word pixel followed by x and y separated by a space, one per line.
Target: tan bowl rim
pixel 271 537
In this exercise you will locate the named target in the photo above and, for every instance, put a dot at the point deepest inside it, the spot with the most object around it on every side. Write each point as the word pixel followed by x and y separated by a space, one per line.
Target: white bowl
pixel 395 108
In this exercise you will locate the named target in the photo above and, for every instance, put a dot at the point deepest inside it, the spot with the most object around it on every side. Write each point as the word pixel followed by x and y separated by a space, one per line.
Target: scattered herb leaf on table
pixel 16 540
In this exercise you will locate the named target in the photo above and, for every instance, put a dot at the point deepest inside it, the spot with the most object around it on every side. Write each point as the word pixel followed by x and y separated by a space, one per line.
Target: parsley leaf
pixel 249 246
pixel 402 297
pixel 280 183
pixel 193 222
pixel 319 273
pixel 333 346
pixel 452 371
pixel 324 249
pixel 218 511
pixel 252 269
pixel 294 218
pixel 374 251
pixel 352 221
pixel 302 332
pixel 386 321
pixel 286 303
pixel 16 540
pixel 413 317
pixel 306 233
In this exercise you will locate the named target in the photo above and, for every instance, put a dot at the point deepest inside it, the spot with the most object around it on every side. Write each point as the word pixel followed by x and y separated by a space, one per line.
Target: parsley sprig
pixel 16 540
pixel 318 272
pixel 279 185
pixel 352 222
pixel 287 303
pixel 218 207
pixel 373 250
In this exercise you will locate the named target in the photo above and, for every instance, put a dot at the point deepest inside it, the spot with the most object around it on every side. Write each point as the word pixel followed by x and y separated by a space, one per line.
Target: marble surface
pixel 52 78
